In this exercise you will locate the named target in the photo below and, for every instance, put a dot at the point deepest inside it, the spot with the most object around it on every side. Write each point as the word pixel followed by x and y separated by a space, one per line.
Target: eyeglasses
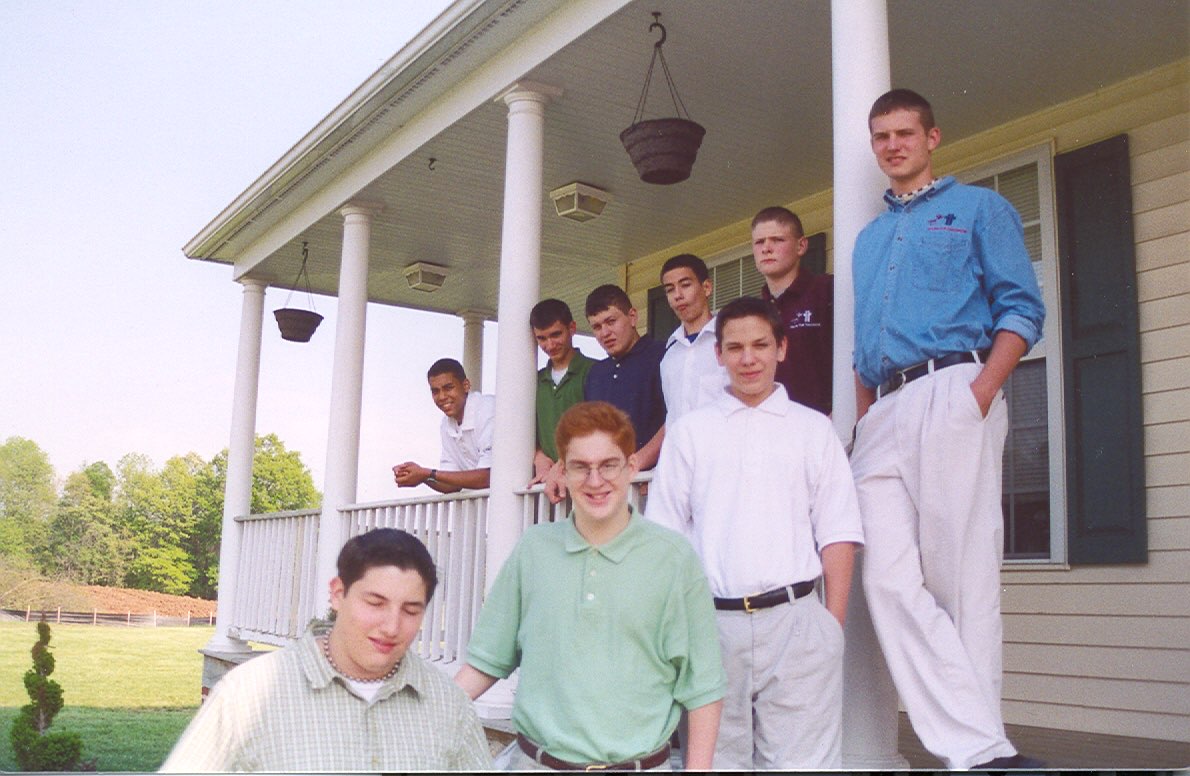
pixel 579 471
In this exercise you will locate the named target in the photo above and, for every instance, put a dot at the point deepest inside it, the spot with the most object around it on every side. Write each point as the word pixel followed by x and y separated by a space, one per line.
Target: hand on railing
pixel 549 474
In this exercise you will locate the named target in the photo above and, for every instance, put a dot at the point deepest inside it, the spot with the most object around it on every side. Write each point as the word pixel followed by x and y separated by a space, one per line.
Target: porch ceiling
pixel 755 74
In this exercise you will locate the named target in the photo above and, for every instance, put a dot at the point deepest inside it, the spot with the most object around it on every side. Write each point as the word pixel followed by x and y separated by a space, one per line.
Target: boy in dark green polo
pixel 559 387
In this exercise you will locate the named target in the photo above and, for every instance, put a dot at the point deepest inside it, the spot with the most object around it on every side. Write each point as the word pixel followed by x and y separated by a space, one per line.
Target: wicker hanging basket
pixel 662 150
pixel 296 324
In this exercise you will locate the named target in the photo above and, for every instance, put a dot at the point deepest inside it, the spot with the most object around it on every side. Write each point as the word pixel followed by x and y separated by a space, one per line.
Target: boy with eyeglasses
pixel 609 618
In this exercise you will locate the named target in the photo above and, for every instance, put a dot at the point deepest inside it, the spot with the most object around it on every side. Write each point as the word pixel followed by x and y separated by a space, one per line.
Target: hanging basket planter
pixel 662 150
pixel 296 324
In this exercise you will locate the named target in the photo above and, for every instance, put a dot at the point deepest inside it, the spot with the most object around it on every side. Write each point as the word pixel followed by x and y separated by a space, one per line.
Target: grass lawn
pixel 128 691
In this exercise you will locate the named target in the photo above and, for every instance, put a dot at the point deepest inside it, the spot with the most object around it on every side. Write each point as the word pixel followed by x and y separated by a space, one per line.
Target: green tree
pixel 164 569
pixel 27 497
pixel 280 482
pixel 35 748
pixel 157 508
pixel 102 479
pixel 85 544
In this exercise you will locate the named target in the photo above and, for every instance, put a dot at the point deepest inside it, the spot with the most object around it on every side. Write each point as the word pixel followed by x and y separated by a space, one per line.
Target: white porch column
pixel 520 280
pixel 473 346
pixel 237 494
pixel 347 379
pixel 860 74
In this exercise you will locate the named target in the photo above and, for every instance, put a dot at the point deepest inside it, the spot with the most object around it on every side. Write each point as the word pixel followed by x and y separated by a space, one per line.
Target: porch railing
pixel 454 529
pixel 276 598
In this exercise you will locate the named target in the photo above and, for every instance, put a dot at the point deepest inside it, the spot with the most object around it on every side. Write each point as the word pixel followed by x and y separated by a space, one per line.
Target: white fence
pixel 275 597
pixel 275 592
pixel 454 529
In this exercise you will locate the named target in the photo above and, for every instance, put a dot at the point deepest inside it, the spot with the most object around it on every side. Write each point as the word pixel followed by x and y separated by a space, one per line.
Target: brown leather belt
pixel 908 375
pixel 751 603
pixel 548 760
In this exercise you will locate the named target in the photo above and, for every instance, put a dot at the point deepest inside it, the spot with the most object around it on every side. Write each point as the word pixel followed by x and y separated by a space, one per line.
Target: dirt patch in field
pixel 115 600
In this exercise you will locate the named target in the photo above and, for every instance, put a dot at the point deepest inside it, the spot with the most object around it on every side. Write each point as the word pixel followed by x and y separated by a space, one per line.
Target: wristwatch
pixel 433 476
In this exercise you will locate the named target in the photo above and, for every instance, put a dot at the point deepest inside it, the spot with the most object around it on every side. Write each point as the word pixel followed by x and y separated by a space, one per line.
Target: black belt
pixel 548 760
pixel 906 376
pixel 751 603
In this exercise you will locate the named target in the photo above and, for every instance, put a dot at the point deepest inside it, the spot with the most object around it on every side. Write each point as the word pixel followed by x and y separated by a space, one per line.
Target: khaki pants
pixel 784 702
pixel 927 472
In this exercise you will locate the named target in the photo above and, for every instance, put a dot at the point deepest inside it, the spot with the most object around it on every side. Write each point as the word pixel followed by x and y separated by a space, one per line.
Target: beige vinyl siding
pixel 1107 648
pixel 1103 649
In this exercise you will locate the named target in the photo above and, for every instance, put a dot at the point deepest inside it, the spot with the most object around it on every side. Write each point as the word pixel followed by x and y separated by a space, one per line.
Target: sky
pixel 127 127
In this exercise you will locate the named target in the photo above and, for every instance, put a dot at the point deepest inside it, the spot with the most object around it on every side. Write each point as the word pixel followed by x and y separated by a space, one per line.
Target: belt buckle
pixel 596 767
pixel 748 605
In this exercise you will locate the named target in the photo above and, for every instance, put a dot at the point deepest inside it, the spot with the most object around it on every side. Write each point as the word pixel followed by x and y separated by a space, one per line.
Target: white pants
pixel 927 471
pixel 784 702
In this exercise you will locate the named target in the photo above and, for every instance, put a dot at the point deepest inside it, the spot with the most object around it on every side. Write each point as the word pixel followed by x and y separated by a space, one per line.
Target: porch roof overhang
pixel 757 75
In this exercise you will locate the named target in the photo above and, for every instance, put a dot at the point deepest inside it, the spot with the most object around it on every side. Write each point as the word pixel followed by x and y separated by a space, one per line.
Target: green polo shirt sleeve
pixel 494 647
pixel 691 636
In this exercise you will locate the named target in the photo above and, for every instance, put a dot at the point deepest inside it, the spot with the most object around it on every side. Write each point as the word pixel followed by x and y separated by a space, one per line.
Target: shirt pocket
pixel 943 261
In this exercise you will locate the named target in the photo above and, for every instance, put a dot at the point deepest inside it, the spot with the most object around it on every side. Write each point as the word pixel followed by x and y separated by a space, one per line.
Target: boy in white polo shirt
pixel 469 418
pixel 691 374
pixel 761 487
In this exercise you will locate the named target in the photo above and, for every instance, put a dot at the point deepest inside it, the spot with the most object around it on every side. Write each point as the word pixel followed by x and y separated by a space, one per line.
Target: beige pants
pixel 784 702
pixel 927 472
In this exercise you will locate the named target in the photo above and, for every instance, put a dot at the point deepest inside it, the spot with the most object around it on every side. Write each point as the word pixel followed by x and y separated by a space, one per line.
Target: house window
pixel 739 277
pixel 1034 461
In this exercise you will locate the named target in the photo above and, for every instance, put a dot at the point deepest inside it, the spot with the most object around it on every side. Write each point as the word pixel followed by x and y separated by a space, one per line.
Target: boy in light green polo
pixel 609 618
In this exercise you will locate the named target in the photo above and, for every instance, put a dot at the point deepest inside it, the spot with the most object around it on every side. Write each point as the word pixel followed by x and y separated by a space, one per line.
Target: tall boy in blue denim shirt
pixel 946 304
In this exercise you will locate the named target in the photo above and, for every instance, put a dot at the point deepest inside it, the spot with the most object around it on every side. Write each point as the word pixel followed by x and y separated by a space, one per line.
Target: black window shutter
pixel 662 320
pixel 1101 356
pixel 815 258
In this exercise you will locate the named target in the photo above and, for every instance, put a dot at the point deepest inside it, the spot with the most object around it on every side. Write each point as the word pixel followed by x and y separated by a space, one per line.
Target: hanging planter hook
pixel 658 26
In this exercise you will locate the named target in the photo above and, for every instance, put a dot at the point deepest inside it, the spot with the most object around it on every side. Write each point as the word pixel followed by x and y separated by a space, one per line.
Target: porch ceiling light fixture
pixel 579 201
pixel 423 276
pixel 662 150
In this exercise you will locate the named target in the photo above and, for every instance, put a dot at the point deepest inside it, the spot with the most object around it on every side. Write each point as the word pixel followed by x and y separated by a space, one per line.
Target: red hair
pixel 590 417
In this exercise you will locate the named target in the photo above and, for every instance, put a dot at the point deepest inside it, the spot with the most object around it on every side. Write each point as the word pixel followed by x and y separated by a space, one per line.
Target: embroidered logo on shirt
pixel 943 223
pixel 803 319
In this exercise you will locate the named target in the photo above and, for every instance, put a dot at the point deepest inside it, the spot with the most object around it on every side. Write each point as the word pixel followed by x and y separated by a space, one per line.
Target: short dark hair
pixel 781 215
pixel 690 262
pixel 446 366
pixel 590 417
pixel 386 547
pixel 608 295
pixel 903 99
pixel 547 312
pixel 750 307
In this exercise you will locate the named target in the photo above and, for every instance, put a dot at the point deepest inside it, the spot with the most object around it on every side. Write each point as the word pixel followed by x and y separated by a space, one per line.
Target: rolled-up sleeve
pixel 1014 296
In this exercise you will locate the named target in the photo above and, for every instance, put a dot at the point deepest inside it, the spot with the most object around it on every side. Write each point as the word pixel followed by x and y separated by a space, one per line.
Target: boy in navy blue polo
pixel 630 377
